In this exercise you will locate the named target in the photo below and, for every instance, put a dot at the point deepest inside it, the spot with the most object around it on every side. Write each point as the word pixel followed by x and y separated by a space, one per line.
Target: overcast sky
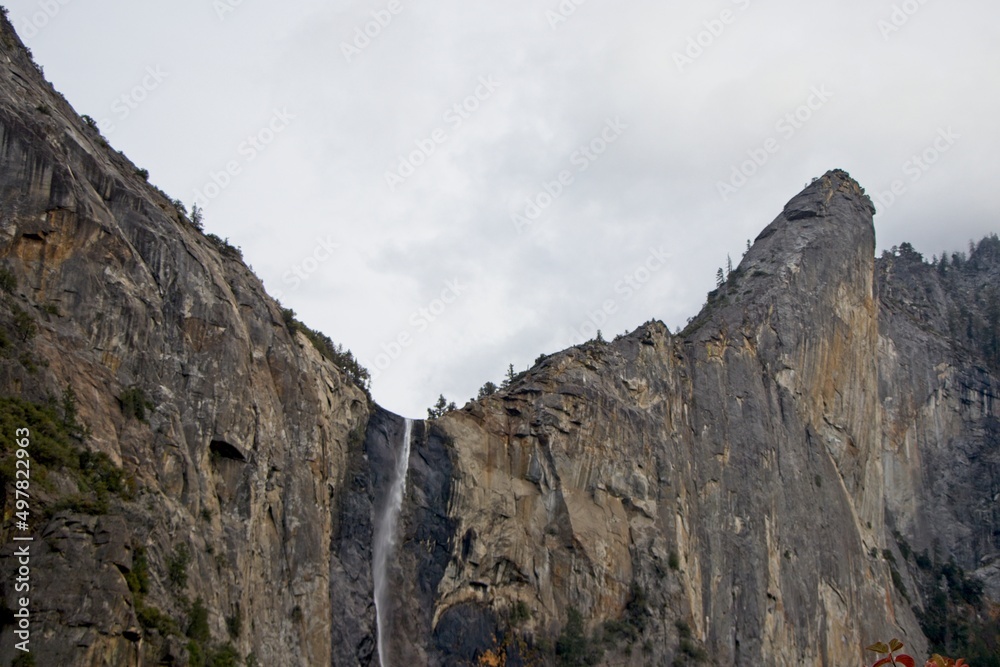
pixel 456 186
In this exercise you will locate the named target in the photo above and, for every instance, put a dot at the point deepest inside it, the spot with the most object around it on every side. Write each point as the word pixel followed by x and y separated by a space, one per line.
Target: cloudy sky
pixel 448 187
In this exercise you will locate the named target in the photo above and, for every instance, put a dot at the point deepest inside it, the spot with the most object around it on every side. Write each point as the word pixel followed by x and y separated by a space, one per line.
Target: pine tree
pixel 729 266
pixel 196 217
pixel 573 648
pixel 510 377
pixel 720 278
pixel 69 408
pixel 441 406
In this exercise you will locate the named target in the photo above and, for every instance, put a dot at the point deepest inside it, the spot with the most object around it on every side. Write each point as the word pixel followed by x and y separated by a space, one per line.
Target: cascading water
pixel 385 542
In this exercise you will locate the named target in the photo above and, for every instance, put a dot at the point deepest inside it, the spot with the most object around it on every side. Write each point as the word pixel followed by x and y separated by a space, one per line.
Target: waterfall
pixel 385 542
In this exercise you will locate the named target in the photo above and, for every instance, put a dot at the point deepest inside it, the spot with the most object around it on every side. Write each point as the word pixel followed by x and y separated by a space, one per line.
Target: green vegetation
pixel 688 650
pixel 134 404
pixel 633 622
pixel 674 561
pixel 973 318
pixel 222 656
pixel 337 354
pixel 197 217
pixel 56 438
pixel 179 206
pixel 177 566
pixel 24 324
pixel 234 624
pixel 201 653
pixel 519 613
pixel 152 618
pixel 138 577
pixel 897 581
pixel 24 660
pixel 224 246
pixel 573 647
pixel 198 622
pixel 955 619
pixel 149 616
pixel 904 546
pixel 51 442
pixel 509 378
pixel 98 479
pixel 8 283
pixel 441 407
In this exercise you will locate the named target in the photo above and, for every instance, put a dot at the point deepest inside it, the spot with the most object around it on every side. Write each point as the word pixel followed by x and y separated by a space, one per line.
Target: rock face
pixel 725 496
pixel 238 467
pixel 731 477
pixel 939 357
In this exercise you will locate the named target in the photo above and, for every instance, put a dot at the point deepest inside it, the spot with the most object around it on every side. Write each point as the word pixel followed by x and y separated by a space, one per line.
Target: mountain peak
pixel 817 199
pixel 824 225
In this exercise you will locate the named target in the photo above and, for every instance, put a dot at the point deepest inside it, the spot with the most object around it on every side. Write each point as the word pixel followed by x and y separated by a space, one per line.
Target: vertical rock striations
pixel 939 361
pixel 730 477
pixel 230 430
pixel 759 489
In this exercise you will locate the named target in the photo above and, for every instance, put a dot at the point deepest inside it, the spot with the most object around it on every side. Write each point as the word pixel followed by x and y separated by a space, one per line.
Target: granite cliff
pixel 802 471
pixel 231 432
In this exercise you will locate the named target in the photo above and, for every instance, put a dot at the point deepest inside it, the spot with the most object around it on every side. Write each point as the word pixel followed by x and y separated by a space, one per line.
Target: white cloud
pixel 324 176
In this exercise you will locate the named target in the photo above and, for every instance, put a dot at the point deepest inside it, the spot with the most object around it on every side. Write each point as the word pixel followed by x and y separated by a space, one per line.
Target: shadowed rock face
pixel 728 490
pixel 938 386
pixel 748 447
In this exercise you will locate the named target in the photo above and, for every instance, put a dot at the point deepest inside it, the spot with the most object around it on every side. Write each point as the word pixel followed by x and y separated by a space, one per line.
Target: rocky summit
pixel 811 466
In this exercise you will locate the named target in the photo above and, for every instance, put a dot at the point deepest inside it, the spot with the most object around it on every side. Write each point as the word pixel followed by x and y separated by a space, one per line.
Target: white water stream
pixel 385 542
